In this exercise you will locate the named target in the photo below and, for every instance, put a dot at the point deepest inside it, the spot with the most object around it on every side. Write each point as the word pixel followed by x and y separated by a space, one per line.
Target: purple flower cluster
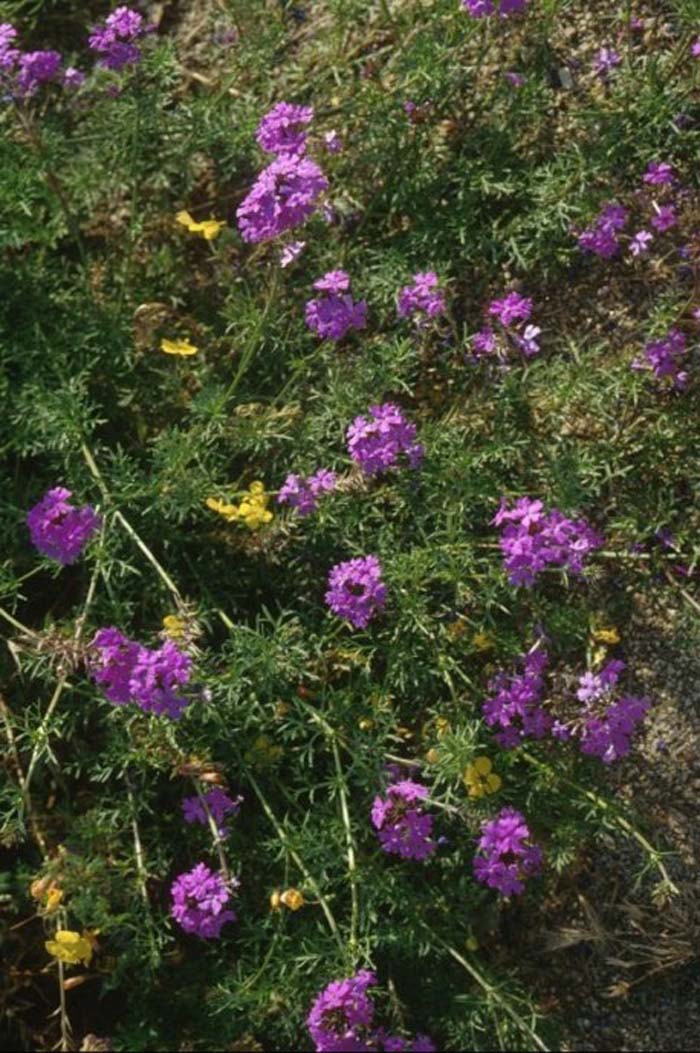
pixel 335 313
pixel 130 672
pixel 602 237
pixel 606 61
pixel 376 442
pixel 219 804
pixel 404 828
pixel 199 899
pixel 607 726
pixel 533 539
pixel 665 358
pixel 281 129
pixel 283 196
pixel 342 1016
pixel 512 312
pixel 485 8
pixel 508 855
pixel 423 298
pixel 515 705
pixel 8 53
pixel 58 529
pixel 115 40
pixel 356 591
pixel 35 68
pixel 303 494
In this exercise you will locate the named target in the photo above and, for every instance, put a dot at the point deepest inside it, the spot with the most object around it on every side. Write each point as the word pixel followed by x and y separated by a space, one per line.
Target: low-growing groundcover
pixel 349 361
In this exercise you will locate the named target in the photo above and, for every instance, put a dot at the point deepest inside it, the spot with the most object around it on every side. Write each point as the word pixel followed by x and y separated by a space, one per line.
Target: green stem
pixel 350 847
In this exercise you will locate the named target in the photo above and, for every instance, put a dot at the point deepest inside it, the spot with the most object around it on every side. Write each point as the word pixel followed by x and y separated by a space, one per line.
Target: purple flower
pixel 332 142
pixel 485 8
pixel 695 48
pixel 73 78
pixel 423 297
pixel 333 315
pixel 283 196
pixel 342 1015
pixel 665 358
pixel 640 242
pixel 601 238
pixel 533 540
pixel 606 60
pixel 659 173
pixel 8 54
pixel 515 703
pixel 376 443
pixel 512 308
pixel 130 672
pixel 303 494
pixel 58 529
pixel 113 663
pixel 114 40
pixel 516 79
pixel 404 829
pixel 291 252
pixel 219 804
pixel 508 855
pixel 608 736
pixel 593 686
pixel 35 68
pixel 356 591
pixel 199 898
pixel 528 341
pixel 664 218
pixel 484 342
pixel 281 129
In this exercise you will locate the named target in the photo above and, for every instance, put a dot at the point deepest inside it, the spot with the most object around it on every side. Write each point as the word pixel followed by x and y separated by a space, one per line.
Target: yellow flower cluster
pixel 174 627
pixel 70 947
pixel 292 898
pixel 208 228
pixel 480 779
pixel 183 348
pixel 252 510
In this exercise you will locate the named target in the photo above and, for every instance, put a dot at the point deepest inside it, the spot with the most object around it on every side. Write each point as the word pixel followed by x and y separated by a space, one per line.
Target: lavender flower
pixel 291 252
pixel 593 686
pixel 35 68
pixel 665 358
pixel 608 736
pixel 73 78
pixel 664 218
pixel 606 61
pixel 130 672
pixel 376 443
pixel 485 8
pixel 512 308
pixel 422 298
pixel 303 494
pixel 112 665
pixel 534 539
pixel 280 130
pixel 333 315
pixel 404 829
pixel 219 804
pixel 58 529
pixel 115 40
pixel 508 855
pixel 342 1014
pixel 640 242
pixel 356 591
pixel 8 54
pixel 283 196
pixel 199 898
pixel 601 238
pixel 659 173
pixel 515 704
pixel 511 312
pixel 516 79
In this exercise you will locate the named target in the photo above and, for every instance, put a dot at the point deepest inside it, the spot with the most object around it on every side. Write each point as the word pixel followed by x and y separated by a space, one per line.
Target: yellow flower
pixel 53 899
pixel 70 947
pixel 432 756
pixel 606 636
pixel 292 898
pixel 483 642
pixel 208 228
pixel 275 900
pixel 173 626
pixel 366 724
pixel 252 510
pixel 442 727
pixel 229 512
pixel 480 779
pixel 178 347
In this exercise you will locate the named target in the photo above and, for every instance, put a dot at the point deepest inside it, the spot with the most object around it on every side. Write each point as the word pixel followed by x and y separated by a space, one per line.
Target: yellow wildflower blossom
pixel 292 898
pixel 480 780
pixel 208 228
pixel 606 636
pixel 178 347
pixel 53 899
pixel 70 947
pixel 252 510
pixel 173 626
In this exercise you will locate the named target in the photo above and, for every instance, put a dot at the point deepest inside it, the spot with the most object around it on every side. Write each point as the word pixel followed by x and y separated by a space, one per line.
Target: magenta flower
pixel 659 173
pixel 199 900
pixel 58 529
pixel 664 218
pixel 113 663
pixel 115 40
pixel 422 298
pixel 303 494
pixel 606 61
pixel 219 804
pixel 356 591
pixel 333 315
pixel 516 79
pixel 508 855
pixel 532 540
pixel 130 672
pixel 35 68
pixel 376 442
pixel 512 308
pixel 640 242
pixel 8 54
pixel 601 238
pixel 403 827
pixel 485 8
pixel 342 1014
pixel 281 129
pixel 283 196
pixel 607 736
pixel 73 78
pixel 665 358
pixel 515 702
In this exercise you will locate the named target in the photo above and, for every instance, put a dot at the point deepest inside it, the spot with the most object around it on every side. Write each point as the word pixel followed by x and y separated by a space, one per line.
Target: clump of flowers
pixel 252 510
pixel 512 312
pixel 25 71
pixel 533 540
pixel 342 1017
pixel 115 40
pixel 666 359
pixel 281 129
pixel 70 947
pixel 130 672
pixel 9 54
pixel 508 856
pixel 480 778
pixel 515 703
pixel 199 899
pixel 60 530
pixel 356 591
pixel 376 442
pixel 219 804
pixel 423 298
pixel 404 829
pixel 303 494
pixel 283 196
pixel 601 238
pixel 486 8
pixel 605 727
pixel 335 313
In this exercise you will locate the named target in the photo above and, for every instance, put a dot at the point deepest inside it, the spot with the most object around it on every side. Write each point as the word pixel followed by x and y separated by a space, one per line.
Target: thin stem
pixel 66 1037
pixel 216 836
pixel 352 865
pixel 141 872
pixel 17 625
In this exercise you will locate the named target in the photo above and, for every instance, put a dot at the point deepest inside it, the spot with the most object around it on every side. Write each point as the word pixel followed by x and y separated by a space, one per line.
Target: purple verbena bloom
pixel 403 828
pixel 532 540
pixel 112 661
pixel 640 242
pixel 608 736
pixel 527 341
pixel 484 342
pixel 219 804
pixel 659 173
pixel 58 529
pixel 333 282
pixel 199 899
pixel 485 8
pixel 601 238
pixel 508 855
pixel 114 40
pixel 422 297
pixel 515 702
pixel 302 494
pixel 664 218
pixel 606 60
pixel 157 677
pixel 516 79
pixel 283 196
pixel 593 686
pixel 35 68
pixel 291 252
pixel 334 314
pixel 332 142
pixel 356 591
pixel 342 1014
pixel 665 358
pixel 8 54
pixel 376 442
pixel 695 48
pixel 281 129
pixel 382 1041
pixel 512 308
pixel 73 78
